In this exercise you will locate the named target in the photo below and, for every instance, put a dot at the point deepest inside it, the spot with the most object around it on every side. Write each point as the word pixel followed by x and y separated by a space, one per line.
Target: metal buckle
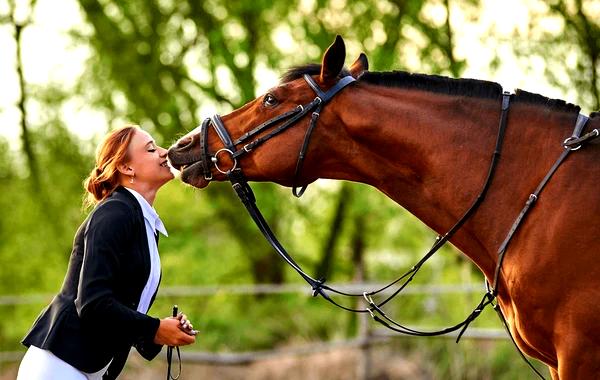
pixel 370 302
pixel 569 140
pixel 215 160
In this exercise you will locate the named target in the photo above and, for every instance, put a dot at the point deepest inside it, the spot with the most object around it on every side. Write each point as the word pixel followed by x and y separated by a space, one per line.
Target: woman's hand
pixel 185 324
pixel 175 331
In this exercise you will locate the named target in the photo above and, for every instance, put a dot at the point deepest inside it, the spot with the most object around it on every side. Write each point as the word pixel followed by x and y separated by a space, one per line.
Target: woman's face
pixel 148 161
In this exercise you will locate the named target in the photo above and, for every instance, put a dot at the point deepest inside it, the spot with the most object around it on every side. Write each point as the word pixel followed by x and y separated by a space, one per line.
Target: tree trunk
pixel 324 267
pixel 25 135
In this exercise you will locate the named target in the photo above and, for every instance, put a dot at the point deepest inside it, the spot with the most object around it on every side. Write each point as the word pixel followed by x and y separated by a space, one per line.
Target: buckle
pixel 215 160
pixel 568 140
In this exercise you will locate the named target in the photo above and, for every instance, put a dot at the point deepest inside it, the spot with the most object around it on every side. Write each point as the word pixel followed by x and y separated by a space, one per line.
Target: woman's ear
pixel 125 169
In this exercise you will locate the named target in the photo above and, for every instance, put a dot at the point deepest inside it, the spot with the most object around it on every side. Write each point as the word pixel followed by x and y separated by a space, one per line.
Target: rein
pixel 287 119
pixel 170 354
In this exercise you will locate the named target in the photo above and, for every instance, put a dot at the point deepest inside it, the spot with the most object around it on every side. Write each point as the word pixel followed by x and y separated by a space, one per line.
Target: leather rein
pixel 281 122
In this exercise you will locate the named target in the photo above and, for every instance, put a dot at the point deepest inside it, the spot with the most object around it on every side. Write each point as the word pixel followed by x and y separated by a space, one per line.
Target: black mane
pixel 439 84
pixel 554 104
pixel 298 72
pixel 434 83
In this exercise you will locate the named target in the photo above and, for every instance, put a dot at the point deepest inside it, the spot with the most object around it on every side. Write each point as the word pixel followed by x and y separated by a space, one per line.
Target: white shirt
pixel 153 224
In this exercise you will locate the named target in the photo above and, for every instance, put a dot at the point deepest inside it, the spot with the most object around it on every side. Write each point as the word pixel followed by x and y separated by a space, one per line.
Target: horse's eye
pixel 270 101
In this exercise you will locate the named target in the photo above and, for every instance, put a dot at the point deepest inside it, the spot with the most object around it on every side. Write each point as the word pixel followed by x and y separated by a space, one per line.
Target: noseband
pixel 284 120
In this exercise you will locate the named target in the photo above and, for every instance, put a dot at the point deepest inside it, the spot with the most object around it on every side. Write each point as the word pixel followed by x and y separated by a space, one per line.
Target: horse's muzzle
pixel 181 154
pixel 185 156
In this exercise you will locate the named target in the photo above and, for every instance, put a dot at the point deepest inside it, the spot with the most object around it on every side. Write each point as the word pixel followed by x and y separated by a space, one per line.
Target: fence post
pixel 364 334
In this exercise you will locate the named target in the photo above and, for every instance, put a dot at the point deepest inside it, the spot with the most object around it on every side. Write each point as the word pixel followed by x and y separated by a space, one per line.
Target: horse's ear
pixel 359 66
pixel 333 60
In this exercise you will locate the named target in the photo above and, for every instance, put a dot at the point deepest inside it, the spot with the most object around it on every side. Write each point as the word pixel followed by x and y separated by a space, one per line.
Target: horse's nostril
pixel 185 141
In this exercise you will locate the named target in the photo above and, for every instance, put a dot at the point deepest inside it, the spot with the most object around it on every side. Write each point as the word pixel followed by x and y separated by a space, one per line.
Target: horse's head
pixel 265 137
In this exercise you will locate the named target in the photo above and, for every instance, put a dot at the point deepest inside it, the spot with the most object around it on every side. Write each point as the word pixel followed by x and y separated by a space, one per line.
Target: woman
pixel 89 327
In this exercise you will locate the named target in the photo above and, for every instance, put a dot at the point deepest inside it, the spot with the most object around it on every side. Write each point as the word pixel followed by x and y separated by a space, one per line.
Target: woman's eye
pixel 151 150
pixel 270 101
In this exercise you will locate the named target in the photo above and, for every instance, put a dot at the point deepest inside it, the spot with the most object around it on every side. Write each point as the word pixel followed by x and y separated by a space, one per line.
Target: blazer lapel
pixel 143 239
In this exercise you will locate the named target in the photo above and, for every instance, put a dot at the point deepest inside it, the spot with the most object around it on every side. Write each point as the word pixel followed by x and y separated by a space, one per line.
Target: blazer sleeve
pixel 148 349
pixel 107 236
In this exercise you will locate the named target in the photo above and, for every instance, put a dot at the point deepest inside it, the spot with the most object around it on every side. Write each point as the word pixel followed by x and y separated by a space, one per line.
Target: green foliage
pixel 37 225
pixel 168 64
pixel 565 31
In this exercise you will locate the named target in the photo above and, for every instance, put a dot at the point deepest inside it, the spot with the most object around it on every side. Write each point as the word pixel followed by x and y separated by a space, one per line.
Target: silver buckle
pixel 215 160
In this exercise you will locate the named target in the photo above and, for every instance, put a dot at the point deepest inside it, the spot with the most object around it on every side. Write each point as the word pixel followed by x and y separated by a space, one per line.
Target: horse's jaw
pixel 193 176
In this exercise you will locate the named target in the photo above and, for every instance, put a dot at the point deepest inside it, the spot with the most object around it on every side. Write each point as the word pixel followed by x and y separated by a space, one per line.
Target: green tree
pixel 168 59
pixel 566 36
pixel 168 64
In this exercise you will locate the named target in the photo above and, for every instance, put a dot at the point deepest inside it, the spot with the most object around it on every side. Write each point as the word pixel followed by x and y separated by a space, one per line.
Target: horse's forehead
pixel 282 86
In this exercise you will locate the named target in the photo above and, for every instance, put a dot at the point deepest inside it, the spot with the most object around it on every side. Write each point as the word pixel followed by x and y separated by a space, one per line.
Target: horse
pixel 426 142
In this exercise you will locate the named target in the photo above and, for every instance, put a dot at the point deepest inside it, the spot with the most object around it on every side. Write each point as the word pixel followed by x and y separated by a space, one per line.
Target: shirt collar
pixel 149 213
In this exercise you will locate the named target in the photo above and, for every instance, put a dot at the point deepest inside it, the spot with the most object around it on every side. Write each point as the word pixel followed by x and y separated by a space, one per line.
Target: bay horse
pixel 426 141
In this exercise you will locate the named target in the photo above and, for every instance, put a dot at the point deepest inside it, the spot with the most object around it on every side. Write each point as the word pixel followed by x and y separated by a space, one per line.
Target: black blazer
pixel 94 317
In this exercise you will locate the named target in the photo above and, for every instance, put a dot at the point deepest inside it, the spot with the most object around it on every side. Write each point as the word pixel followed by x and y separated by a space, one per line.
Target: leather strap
pixel 218 125
pixel 329 94
pixel 299 163
pixel 533 197
pixel 204 146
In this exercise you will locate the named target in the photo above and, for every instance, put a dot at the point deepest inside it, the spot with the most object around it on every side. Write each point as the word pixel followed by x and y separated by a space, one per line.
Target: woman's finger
pixel 186 339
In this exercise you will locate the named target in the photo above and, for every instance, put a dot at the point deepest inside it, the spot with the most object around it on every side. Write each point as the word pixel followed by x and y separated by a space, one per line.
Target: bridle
pixel 282 122
pixel 286 119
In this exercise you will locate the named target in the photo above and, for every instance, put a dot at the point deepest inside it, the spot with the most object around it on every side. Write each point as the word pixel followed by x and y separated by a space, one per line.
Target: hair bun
pixel 104 177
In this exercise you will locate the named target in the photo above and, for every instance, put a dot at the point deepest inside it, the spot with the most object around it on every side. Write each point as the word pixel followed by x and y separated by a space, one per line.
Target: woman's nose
pixel 163 151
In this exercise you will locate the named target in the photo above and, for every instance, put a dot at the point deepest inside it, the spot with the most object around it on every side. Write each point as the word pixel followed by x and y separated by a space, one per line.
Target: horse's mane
pixel 434 83
pixel 555 104
pixel 298 72
pixel 439 84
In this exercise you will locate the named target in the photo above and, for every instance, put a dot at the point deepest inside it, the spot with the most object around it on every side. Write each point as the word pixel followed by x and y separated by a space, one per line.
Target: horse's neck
pixel 431 154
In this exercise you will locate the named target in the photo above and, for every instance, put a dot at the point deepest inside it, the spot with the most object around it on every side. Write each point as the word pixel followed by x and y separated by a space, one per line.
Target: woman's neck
pixel 146 191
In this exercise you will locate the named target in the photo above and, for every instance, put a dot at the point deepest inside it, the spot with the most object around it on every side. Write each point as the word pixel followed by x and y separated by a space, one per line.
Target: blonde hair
pixel 112 152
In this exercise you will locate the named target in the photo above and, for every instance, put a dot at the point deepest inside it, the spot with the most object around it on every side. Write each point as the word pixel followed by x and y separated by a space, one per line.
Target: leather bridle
pixel 282 122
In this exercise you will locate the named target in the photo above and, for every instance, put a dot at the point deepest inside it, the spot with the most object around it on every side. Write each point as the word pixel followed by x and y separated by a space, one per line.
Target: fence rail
pixel 378 336
pixel 256 289
pixel 368 338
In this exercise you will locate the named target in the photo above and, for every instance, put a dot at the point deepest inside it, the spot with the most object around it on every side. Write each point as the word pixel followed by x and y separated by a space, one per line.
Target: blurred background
pixel 71 70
